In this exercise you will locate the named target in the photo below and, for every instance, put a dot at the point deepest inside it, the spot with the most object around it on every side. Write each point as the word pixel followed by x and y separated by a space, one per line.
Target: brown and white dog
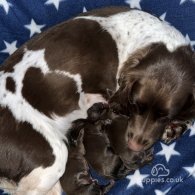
pixel 54 78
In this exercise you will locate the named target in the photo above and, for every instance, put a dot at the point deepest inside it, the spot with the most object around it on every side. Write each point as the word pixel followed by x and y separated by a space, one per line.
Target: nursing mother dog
pixel 147 63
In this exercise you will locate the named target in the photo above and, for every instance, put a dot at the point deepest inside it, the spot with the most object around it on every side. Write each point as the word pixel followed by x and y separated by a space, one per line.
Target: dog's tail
pixel 8 186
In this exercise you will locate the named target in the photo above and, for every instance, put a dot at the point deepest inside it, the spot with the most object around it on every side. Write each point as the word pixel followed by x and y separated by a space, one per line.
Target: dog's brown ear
pixel 121 98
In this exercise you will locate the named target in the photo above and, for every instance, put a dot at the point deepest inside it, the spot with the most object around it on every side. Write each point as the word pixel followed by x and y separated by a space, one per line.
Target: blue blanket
pixel 173 169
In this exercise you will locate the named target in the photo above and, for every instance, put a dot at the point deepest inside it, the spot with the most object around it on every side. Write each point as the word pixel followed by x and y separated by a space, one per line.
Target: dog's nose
pixel 133 145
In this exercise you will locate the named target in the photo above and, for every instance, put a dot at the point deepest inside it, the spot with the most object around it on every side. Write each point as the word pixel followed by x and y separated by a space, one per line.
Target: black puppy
pixel 106 143
pixel 76 179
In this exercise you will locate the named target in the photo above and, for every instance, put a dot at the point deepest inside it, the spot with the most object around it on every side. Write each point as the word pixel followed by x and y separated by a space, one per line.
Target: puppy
pixel 106 143
pixel 77 179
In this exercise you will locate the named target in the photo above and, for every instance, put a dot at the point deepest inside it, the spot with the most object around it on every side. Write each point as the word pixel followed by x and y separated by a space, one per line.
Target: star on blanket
pixel 158 192
pixel 163 16
pixel 134 3
pixel 84 9
pixel 192 43
pixel 190 170
pixel 183 1
pixel 5 5
pixel 56 3
pixel 10 47
pixel 136 179
pixel 168 151
pixel 34 28
pixel 192 130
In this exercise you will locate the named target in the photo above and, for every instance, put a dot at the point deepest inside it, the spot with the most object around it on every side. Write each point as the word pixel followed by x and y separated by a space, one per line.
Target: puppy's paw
pixel 96 111
pixel 174 130
pixel 107 188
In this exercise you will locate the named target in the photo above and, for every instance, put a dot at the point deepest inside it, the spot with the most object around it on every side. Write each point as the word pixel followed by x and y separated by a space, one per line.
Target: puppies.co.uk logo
pixel 159 170
pixel 160 175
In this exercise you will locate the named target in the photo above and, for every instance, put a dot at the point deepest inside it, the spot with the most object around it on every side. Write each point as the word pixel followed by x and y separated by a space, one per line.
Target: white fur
pixel 8 187
pixel 53 129
pixel 134 29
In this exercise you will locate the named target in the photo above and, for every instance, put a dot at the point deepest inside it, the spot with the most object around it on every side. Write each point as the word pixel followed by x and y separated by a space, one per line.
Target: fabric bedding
pixel 173 169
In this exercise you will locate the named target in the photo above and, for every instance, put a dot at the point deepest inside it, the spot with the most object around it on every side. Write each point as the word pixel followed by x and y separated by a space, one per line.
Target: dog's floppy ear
pixel 120 99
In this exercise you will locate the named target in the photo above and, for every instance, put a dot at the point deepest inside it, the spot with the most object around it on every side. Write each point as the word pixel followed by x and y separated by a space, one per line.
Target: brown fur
pixel 106 144
pixel 77 179
pixel 20 146
pixel 61 92
pixel 10 84
pixel 155 89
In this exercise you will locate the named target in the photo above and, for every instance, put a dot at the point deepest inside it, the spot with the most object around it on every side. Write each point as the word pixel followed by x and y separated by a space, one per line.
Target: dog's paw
pixel 147 157
pixel 174 130
pixel 96 111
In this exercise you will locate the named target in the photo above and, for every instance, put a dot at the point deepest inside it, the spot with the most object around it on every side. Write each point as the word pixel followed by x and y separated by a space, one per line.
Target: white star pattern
pixel 56 3
pixel 10 47
pixel 192 130
pixel 158 192
pixel 136 179
pixel 190 170
pixel 84 9
pixel 134 3
pixel 192 43
pixel 168 151
pixel 163 16
pixel 183 1
pixel 5 5
pixel 19 21
pixel 34 28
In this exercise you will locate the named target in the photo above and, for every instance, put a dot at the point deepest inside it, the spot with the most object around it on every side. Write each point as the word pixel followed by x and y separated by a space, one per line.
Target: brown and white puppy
pixel 55 77
pixel 77 179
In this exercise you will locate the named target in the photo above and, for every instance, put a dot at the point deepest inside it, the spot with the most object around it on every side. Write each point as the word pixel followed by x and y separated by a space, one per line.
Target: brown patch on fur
pixel 10 84
pixel 20 144
pixel 50 93
pixel 78 46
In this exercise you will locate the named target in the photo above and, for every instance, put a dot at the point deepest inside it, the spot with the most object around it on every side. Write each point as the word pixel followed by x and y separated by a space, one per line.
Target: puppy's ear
pixel 80 144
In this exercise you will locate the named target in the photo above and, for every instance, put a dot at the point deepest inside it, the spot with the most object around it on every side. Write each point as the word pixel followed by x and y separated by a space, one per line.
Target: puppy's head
pixel 77 178
pixel 156 86
pixel 100 154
